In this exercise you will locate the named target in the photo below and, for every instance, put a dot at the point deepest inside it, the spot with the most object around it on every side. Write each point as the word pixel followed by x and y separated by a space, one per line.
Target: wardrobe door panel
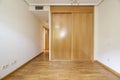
pixel 81 33
pixel 61 36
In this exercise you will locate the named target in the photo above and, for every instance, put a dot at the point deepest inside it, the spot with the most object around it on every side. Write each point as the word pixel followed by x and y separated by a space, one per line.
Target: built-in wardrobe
pixel 72 30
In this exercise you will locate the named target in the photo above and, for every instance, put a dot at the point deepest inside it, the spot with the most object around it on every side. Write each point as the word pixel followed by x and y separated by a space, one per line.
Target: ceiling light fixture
pixel 75 2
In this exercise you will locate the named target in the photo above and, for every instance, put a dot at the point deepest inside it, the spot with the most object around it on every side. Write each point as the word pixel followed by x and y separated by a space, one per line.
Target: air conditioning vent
pixel 39 7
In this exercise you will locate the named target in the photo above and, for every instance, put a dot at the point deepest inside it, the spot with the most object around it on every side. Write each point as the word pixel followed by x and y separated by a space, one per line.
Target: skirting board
pixel 109 69
pixel 21 66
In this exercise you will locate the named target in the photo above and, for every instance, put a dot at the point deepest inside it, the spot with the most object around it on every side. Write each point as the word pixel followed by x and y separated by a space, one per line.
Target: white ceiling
pixel 62 2
pixel 43 16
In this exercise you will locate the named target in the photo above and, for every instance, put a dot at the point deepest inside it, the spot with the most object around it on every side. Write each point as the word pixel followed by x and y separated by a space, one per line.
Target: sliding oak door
pixel 61 36
pixel 81 36
pixel 72 33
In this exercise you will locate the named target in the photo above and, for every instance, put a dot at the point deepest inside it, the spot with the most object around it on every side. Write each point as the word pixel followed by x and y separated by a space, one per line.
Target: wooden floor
pixel 41 69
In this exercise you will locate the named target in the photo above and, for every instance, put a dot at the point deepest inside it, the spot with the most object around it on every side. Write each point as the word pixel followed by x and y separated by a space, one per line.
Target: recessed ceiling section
pixel 43 16
pixel 63 2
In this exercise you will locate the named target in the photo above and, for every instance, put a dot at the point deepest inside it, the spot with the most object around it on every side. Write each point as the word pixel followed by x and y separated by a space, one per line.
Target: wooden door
pixel 72 33
pixel 47 39
pixel 61 36
pixel 81 36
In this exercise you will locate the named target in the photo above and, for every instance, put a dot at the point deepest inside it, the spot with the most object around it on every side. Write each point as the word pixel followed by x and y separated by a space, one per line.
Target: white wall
pixel 107 34
pixel 21 37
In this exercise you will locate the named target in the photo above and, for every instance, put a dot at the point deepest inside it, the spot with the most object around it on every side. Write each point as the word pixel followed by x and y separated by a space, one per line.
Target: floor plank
pixel 42 69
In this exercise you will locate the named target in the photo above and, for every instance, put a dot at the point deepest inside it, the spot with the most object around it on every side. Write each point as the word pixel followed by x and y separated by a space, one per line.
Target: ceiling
pixel 62 2
pixel 43 16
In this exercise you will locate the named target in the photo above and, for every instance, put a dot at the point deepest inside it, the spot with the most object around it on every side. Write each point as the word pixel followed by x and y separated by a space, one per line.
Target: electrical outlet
pixel 5 67
pixel 14 62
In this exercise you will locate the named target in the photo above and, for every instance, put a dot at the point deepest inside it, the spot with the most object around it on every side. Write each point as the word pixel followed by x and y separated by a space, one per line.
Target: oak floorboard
pixel 42 69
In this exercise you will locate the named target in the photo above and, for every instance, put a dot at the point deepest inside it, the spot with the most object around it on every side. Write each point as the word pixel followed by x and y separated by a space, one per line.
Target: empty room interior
pixel 59 39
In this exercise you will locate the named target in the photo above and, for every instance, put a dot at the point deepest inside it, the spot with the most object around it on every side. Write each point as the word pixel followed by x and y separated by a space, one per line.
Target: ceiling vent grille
pixel 39 7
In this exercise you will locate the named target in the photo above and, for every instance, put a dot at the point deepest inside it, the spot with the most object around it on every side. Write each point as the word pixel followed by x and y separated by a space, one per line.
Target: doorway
pixel 46 39
pixel 43 17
